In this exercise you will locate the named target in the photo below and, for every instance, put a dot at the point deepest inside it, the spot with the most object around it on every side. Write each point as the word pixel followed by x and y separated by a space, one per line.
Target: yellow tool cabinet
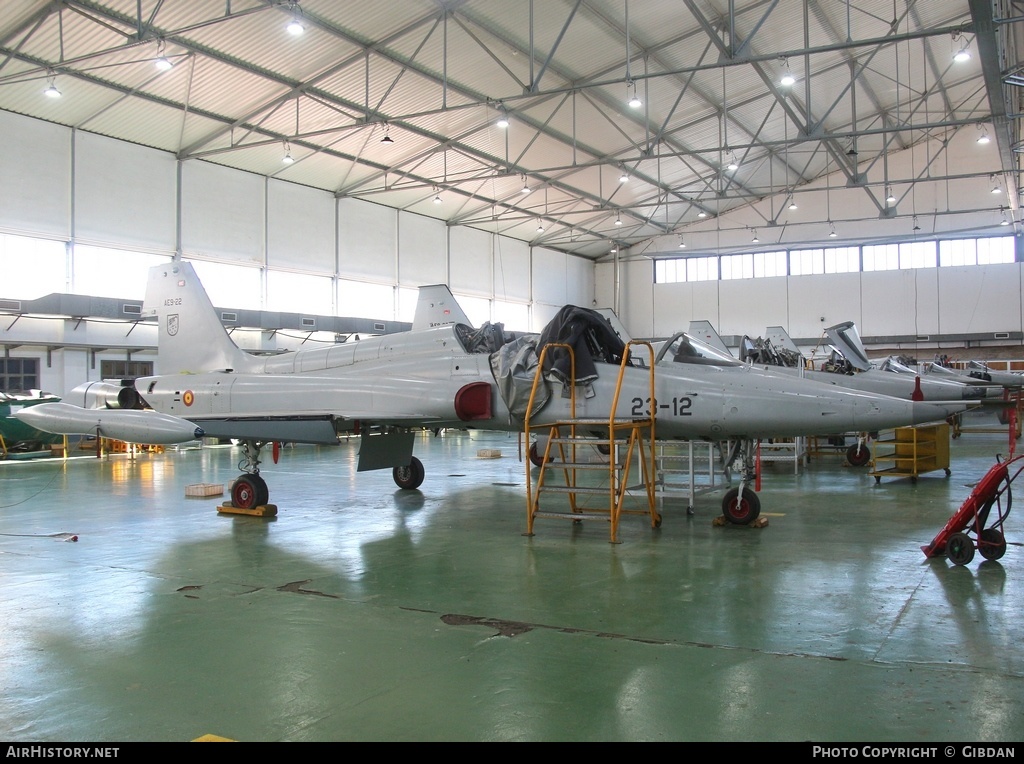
pixel 911 451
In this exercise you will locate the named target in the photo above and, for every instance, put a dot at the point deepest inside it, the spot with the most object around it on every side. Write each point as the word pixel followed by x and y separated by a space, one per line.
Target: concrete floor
pixel 365 613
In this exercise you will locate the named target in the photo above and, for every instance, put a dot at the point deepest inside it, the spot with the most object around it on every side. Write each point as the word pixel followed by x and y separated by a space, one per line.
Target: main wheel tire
pixel 960 549
pixel 536 455
pixel 858 455
pixel 741 510
pixel 991 544
pixel 249 491
pixel 410 477
pixel 263 495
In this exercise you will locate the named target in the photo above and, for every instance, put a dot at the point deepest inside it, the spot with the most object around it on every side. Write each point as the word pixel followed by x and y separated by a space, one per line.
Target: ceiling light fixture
pixel 502 119
pixel 963 53
pixel 526 188
pixel 702 214
pixel 624 177
pixel 162 62
pixel 618 220
pixel 889 197
pixel 792 203
pixel 387 137
pixel 634 100
pixel 755 239
pixel 916 226
pixel 287 158
pixel 51 90
pixel 995 186
pixel 831 230
pixel 682 244
pixel 787 78
pixel 983 138
pixel 295 26
pixel 1004 221
pixel 730 159
pixel 540 227
pixel 437 195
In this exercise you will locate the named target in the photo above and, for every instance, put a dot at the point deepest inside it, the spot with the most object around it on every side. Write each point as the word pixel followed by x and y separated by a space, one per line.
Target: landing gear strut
pixel 741 505
pixel 250 490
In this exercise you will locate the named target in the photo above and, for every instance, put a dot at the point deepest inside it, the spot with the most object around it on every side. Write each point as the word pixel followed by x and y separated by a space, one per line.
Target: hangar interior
pixel 317 180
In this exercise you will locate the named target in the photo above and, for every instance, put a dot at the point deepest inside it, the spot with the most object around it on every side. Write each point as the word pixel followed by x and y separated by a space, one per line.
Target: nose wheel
pixel 741 508
pixel 249 491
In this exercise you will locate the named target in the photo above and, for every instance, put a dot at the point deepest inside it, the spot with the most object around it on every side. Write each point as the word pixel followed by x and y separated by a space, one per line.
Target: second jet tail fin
pixel 437 306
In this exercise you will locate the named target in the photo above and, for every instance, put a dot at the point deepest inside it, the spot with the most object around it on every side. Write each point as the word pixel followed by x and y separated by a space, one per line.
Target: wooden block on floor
pixel 263 510
pixel 489 453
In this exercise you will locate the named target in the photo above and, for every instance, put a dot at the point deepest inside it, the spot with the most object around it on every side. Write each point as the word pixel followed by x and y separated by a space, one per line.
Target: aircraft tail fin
pixel 705 331
pixel 780 338
pixel 437 306
pixel 845 338
pixel 191 337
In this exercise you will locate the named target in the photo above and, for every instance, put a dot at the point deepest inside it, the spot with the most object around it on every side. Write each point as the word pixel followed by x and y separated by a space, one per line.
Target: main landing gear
pixel 409 477
pixel 249 489
pixel 741 505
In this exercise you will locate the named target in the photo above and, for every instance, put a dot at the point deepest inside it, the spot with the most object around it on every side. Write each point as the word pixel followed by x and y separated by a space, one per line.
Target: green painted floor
pixel 364 613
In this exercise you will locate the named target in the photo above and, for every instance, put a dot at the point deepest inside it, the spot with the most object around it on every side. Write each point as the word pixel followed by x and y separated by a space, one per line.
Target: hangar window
pixel 361 299
pixel 125 369
pixel 998 249
pixel 686 269
pixel 299 293
pixel 33 267
pixel 231 286
pixel 893 257
pixel 804 262
pixel 514 316
pixel 19 375
pixel 755 265
pixel 106 272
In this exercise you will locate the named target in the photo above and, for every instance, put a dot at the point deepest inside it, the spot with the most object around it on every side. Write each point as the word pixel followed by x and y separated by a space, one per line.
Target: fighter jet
pixel 387 388
pixel 979 374
pixel 849 367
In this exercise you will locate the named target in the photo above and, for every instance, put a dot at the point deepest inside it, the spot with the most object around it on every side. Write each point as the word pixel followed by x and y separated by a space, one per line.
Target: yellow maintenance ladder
pixel 571 435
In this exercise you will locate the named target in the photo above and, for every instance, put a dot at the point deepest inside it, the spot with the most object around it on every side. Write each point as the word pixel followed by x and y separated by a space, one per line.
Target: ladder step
pixel 574 515
pixel 578 490
pixel 578 466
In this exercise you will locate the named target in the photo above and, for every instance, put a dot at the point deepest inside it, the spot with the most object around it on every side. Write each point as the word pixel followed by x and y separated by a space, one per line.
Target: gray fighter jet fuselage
pixel 386 388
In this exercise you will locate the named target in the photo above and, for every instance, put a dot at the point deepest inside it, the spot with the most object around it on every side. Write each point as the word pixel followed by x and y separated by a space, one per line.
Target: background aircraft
pixel 849 367
pixel 387 388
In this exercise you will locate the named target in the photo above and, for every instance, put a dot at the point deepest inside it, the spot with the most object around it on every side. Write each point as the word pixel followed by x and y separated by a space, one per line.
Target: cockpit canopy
pixel 685 348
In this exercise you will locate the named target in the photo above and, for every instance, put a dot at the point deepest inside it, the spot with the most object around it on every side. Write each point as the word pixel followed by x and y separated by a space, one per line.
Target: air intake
pixel 131 310
pixel 308 323
pixel 10 304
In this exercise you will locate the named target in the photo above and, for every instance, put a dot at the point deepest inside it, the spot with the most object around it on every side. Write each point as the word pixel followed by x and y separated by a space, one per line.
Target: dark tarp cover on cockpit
pixel 591 337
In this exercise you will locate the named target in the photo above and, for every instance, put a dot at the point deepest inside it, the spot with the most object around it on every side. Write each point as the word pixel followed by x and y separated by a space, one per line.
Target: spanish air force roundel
pixel 172 324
